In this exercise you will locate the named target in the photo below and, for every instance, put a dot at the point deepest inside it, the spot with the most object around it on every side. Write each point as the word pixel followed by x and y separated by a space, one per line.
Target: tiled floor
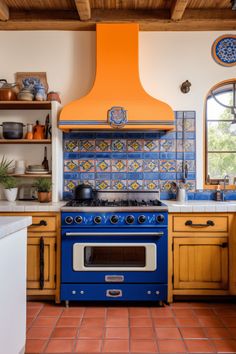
pixel 178 328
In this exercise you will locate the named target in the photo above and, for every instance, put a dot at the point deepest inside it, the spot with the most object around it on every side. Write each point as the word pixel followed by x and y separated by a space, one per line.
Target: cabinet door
pixel 41 263
pixel 201 263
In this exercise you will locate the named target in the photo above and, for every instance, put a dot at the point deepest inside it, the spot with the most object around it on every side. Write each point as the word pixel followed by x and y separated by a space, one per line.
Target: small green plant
pixel 43 184
pixel 8 182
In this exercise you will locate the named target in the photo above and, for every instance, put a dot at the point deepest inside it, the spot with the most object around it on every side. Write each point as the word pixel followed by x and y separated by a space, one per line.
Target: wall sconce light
pixel 185 86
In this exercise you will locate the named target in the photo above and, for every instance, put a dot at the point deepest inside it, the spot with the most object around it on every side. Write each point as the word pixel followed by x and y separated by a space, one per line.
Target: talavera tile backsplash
pixel 131 160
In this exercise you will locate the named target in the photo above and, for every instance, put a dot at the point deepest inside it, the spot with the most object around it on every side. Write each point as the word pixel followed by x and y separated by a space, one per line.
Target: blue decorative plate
pixel 224 50
pixel 117 117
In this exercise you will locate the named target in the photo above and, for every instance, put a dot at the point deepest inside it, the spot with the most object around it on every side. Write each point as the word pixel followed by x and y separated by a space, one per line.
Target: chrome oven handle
pixel 114 293
pixel 159 234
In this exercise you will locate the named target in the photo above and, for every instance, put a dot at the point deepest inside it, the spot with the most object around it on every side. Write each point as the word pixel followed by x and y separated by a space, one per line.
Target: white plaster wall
pixel 166 60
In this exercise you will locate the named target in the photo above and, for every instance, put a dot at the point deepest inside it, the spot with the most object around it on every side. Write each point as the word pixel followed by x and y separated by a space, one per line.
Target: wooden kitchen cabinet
pixel 43 254
pixel 201 254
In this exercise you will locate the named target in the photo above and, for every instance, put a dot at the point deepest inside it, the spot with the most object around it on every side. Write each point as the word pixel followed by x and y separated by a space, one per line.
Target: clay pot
pixel 53 96
pixel 44 197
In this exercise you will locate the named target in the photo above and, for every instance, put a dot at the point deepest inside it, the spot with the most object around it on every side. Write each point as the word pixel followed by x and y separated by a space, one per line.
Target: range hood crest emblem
pixel 117 117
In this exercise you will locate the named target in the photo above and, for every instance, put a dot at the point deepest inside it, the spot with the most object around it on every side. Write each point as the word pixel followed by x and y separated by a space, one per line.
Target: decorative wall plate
pixel 224 50
pixel 117 117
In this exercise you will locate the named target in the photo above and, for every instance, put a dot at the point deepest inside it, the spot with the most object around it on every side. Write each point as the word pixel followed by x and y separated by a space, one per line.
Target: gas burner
pixel 113 203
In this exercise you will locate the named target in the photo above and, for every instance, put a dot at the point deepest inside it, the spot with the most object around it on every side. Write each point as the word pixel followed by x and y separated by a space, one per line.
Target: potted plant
pixel 43 186
pixel 8 182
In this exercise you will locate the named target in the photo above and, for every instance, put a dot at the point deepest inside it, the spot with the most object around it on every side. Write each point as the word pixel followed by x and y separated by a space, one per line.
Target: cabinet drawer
pixel 195 223
pixel 43 223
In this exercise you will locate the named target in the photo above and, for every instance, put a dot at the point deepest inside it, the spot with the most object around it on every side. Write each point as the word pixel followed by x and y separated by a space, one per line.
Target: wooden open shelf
pixel 25 141
pixel 33 175
pixel 25 105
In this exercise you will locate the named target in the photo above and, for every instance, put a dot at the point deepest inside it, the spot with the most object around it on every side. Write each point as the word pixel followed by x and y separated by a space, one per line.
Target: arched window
pixel 220 133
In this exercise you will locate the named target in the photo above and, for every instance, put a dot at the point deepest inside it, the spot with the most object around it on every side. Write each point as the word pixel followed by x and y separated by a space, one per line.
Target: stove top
pixel 113 203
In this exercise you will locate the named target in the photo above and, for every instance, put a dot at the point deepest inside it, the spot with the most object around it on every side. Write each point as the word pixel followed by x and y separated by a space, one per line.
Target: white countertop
pixel 195 206
pixel 25 206
pixel 11 224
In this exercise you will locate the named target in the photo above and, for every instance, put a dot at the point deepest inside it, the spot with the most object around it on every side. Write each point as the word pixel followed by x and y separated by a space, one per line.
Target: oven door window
pixel 114 256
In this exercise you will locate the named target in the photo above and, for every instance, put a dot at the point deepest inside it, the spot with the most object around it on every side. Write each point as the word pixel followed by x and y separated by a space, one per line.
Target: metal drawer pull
pixel 114 233
pixel 114 293
pixel 224 245
pixel 208 223
pixel 41 223
pixel 114 278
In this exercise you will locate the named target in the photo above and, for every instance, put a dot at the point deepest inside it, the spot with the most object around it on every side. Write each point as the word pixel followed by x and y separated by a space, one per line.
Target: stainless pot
pixel 12 130
pixel 84 192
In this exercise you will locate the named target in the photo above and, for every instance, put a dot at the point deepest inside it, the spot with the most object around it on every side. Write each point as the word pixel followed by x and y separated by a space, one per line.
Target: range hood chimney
pixel 117 99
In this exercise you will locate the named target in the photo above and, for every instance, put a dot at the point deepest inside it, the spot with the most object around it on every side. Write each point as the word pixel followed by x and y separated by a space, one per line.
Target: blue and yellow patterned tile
pixel 135 145
pixel 190 185
pixel 135 185
pixel 71 165
pixel 134 176
pixel 118 176
pixel 167 166
pixel 119 185
pixel 119 165
pixel 71 145
pixel 167 145
pixel 190 164
pixel 87 145
pixel 150 165
pixel 189 125
pixel 179 125
pixel 90 182
pixel 103 145
pixel 164 176
pixel 71 175
pixel 103 185
pixel 118 145
pixel 87 176
pixel 151 185
pixel 151 145
pixel 103 176
pixel 135 165
pixel 168 135
pixel 166 186
pixel 69 185
pixel 103 165
pixel 188 146
pixel 86 166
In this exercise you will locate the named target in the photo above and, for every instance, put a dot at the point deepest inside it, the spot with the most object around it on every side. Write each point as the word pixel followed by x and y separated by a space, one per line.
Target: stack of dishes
pixel 36 170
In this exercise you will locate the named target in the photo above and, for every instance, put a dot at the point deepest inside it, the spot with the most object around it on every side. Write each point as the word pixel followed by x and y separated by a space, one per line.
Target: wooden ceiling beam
pixel 4 11
pixel 177 9
pixel 84 9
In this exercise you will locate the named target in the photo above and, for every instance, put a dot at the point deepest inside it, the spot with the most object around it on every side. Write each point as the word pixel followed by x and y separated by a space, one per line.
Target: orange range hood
pixel 117 99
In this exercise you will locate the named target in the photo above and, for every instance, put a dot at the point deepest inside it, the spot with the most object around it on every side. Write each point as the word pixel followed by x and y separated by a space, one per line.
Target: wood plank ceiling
pixel 152 15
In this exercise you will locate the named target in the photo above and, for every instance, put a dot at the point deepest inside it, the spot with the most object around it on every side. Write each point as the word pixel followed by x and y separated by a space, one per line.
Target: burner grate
pixel 113 203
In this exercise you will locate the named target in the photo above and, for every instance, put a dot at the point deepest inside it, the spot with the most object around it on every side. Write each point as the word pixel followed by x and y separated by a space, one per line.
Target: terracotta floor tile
pixel 183 313
pixel 201 305
pixel 29 321
pixel 225 312
pixel 60 346
pixel 68 322
pixel 181 305
pixel 199 346
pixel 225 345
pixel 143 346
pixel 210 321
pixel 115 346
pixel 73 312
pixel 187 322
pixel 204 312
pixel 45 322
pixel 116 332
pixel 161 312
pixel 65 332
pixel 139 312
pixel 37 304
pixel 164 322
pixel 35 346
pixel 171 346
pixel 168 333
pixel 229 321
pixel 232 331
pixel 91 332
pixel 192 332
pixel 140 322
pixel 142 333
pixel 117 312
pixel 95 312
pixel 217 332
pixel 39 332
pixel 88 346
pixel 117 322
pixel 51 311
pixel 32 311
pixel 93 322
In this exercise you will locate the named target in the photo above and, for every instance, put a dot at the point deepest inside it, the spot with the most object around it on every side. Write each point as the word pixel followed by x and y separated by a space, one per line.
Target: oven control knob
pixel 141 219
pixel 97 219
pixel 78 219
pixel 68 220
pixel 129 219
pixel 114 219
pixel 160 218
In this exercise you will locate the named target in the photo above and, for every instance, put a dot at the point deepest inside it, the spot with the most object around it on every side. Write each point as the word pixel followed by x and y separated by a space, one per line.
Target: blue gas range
pixel 114 248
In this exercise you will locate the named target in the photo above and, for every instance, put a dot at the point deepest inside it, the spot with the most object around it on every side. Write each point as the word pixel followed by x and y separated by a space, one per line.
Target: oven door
pixel 114 256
